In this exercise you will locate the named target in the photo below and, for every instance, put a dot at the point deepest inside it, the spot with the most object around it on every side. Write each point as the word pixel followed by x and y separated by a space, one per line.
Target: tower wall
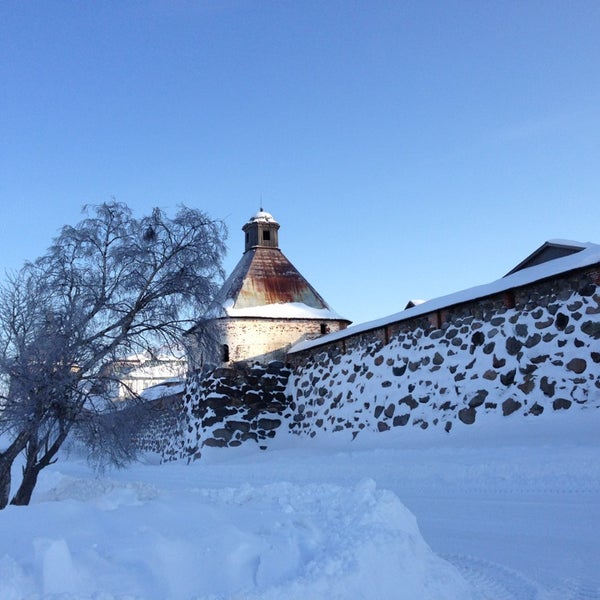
pixel 263 339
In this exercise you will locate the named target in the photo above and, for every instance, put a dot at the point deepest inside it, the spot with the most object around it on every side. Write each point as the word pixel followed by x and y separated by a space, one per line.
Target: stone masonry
pixel 530 352
pixel 542 354
pixel 227 406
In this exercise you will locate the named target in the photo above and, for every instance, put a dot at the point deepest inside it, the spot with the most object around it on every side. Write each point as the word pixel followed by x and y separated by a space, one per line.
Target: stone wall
pixel 530 351
pixel 225 407
pixel 157 422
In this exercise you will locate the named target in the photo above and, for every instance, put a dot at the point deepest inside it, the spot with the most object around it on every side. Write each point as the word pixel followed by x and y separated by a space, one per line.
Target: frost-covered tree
pixel 109 286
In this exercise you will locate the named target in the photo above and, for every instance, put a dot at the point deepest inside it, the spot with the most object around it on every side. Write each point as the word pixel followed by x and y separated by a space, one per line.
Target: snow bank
pixel 98 538
pixel 513 510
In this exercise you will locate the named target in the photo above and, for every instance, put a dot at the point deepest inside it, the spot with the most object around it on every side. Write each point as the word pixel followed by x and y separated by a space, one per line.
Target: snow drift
pixel 100 539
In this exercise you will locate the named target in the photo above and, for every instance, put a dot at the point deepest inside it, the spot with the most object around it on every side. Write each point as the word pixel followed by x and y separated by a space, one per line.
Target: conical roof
pixel 266 284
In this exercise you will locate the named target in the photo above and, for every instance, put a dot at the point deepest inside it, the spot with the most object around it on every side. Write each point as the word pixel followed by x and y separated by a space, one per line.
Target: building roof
pixel 550 250
pixel 587 256
pixel 262 217
pixel 266 284
pixel 413 302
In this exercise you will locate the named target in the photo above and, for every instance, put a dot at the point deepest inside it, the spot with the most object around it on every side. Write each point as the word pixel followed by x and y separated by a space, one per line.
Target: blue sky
pixel 408 149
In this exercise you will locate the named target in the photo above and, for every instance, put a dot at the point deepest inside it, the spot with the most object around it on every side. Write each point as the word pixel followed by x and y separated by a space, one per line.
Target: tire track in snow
pixel 491 581
pixel 494 491
pixel 579 590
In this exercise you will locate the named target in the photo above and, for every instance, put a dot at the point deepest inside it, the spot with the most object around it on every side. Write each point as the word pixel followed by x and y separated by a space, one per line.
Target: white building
pixel 136 373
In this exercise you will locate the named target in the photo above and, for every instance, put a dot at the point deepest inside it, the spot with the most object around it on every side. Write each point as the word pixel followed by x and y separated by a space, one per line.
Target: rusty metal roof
pixel 265 277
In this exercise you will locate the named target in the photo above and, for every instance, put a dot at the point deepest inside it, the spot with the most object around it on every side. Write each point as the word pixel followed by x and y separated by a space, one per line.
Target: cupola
pixel 261 231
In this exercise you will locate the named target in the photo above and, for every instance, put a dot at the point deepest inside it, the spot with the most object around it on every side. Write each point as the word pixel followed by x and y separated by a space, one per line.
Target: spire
pixel 261 231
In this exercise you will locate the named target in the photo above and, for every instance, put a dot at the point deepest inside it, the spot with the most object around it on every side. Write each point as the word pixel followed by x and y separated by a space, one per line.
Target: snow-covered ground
pixel 505 509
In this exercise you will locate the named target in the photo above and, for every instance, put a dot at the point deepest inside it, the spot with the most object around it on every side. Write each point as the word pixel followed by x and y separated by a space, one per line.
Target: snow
pixel 416 301
pixel 166 388
pixel 501 510
pixel 590 255
pixel 289 310
pixel 573 243
pixel 262 217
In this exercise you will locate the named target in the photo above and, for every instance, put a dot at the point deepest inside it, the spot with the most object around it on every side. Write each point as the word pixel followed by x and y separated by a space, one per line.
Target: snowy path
pixel 517 548
pixel 517 518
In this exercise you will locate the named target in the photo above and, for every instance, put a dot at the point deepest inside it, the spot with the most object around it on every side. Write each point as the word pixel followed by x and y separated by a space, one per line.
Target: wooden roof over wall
pixel 549 251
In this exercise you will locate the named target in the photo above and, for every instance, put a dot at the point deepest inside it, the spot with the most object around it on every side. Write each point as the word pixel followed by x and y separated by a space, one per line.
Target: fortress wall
pixel 226 407
pixel 531 350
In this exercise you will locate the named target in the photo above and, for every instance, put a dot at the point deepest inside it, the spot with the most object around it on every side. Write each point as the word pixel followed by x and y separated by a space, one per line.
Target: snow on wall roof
pixel 573 243
pixel 589 255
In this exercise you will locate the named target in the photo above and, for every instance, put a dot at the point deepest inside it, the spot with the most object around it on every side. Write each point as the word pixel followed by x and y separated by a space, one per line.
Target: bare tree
pixel 111 285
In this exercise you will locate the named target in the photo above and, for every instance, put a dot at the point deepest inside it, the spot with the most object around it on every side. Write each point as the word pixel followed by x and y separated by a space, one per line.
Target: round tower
pixel 265 305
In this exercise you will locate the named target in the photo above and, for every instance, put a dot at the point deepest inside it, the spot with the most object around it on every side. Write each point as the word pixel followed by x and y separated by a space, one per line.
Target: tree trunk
pixel 34 465
pixel 5 468
pixel 7 458
pixel 30 476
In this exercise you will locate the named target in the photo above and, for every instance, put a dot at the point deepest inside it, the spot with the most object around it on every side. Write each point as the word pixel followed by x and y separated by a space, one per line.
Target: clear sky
pixel 408 149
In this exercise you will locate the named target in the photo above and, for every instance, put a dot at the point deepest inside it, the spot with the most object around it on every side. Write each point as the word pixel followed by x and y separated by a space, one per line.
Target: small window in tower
pixel 324 328
pixel 225 353
pixel 266 236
